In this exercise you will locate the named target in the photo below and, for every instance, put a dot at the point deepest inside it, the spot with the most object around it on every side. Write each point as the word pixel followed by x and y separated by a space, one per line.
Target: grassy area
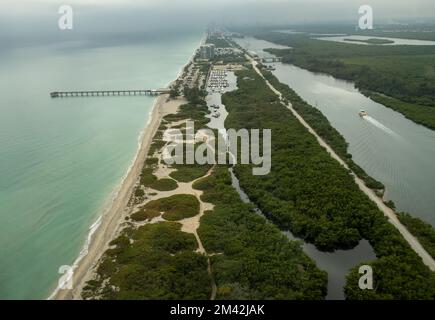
pixel 165 185
pixel 420 114
pixel 424 232
pixel 176 207
pixel 147 177
pixel 187 172
pixel 145 215
pixel 416 67
pixel 155 261
pixel 312 195
pixel 157 143
pixel 252 260
pixel 149 180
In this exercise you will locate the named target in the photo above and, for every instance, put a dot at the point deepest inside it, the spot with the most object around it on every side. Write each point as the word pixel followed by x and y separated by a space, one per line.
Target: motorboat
pixel 363 113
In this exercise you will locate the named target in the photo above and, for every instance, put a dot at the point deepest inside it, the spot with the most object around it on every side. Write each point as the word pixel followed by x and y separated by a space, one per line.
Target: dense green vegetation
pixel 155 261
pixel 145 215
pixel 195 110
pixel 312 195
pixel 252 259
pixel 392 279
pixel 195 96
pixel 405 73
pixel 419 32
pixel 322 126
pixel 420 114
pixel 424 232
pixel 189 172
pixel 176 207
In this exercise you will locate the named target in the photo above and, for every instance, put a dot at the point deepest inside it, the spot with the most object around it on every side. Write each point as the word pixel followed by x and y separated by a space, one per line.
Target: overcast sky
pixel 21 16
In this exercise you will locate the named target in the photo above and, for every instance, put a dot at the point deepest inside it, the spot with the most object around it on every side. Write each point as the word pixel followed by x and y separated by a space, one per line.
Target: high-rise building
pixel 207 51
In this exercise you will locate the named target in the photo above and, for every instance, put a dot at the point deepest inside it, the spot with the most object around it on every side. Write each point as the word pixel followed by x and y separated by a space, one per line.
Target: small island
pixel 371 41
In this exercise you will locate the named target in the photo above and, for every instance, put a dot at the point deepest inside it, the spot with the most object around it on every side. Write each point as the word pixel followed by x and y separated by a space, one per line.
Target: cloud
pixel 136 15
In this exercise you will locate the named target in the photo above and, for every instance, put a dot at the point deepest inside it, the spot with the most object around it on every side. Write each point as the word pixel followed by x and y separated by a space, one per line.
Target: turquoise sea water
pixel 62 159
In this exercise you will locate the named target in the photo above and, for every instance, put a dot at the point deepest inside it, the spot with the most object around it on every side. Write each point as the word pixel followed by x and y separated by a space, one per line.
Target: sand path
pixel 188 225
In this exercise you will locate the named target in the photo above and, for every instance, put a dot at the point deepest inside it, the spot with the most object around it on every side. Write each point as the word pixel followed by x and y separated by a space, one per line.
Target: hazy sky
pixel 40 16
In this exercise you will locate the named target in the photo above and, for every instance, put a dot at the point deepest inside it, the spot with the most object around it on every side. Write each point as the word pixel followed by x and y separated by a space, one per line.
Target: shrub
pixel 144 215
pixel 176 207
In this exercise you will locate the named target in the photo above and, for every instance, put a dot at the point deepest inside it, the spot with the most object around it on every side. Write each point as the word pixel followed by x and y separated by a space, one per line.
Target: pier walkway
pixel 102 93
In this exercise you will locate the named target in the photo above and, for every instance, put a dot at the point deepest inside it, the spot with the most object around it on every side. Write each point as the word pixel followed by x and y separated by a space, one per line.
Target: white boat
pixel 363 113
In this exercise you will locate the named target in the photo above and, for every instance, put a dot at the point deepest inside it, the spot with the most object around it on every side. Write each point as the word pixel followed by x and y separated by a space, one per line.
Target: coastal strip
pixel 112 219
pixel 108 223
pixel 177 240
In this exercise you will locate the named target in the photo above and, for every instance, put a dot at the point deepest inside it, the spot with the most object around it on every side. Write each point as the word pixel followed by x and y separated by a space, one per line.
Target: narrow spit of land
pixel 186 234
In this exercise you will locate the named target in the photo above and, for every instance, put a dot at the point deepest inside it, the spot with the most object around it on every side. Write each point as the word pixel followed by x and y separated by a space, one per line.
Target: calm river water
pixel 388 146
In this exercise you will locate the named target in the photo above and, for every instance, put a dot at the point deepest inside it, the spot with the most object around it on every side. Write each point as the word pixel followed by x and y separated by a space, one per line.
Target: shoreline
pixel 112 218
pixel 108 204
pixel 106 226
pixel 110 222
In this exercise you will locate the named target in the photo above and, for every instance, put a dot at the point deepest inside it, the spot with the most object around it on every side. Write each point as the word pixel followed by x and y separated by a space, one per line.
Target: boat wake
pixel 380 126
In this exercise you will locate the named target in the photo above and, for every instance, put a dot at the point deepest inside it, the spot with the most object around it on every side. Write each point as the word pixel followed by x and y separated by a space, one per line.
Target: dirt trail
pixel 188 225
pixel 392 217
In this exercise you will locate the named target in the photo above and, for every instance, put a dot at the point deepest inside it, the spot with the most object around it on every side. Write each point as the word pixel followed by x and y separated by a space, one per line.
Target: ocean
pixel 61 160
